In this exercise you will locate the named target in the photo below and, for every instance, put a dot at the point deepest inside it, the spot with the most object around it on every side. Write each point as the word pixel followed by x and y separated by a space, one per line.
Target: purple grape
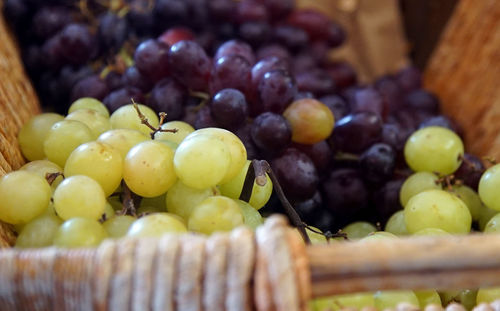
pixel 302 95
pixel 70 75
pixel 92 86
pixel 292 37
pixel 296 174
pixel 113 30
pixel 236 47
pixel 271 132
pixel 52 55
pixel 114 80
pixel 229 108
pixel 356 132
pixel 470 171
pixel 318 26
pixel 264 66
pixel 174 11
pixel 441 121
pixel 190 65
pixel 337 105
pixel 122 97
pixel 231 71
pixel 140 16
pixel 78 45
pixel 377 163
pixel 222 9
pixel 33 59
pixel 204 119
pixel 304 62
pixel 386 199
pixel 151 59
pixel 168 96
pixel 335 35
pixel 279 8
pixel 251 11
pixel 320 153
pixel 49 20
pixel 310 209
pixel 393 136
pixel 342 74
pixel 409 79
pixel 368 99
pixel 134 78
pixel 315 81
pixel 274 50
pixel 255 33
pixel 276 89
pixel 16 12
pixel 422 100
pixel 390 91
pixel 244 134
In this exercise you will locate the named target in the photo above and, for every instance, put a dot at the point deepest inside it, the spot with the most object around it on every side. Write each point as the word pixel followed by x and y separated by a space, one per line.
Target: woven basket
pixel 270 269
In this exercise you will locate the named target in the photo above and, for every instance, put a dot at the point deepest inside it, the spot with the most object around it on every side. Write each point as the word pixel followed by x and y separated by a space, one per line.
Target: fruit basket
pixel 270 269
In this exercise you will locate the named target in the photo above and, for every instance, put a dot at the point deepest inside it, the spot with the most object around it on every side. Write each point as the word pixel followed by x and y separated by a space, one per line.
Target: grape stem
pixel 257 173
pixel 145 121
pixel 130 200
pixel 328 234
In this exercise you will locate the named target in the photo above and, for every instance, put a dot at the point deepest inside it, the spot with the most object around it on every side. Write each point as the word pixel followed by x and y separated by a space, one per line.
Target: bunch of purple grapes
pixel 238 65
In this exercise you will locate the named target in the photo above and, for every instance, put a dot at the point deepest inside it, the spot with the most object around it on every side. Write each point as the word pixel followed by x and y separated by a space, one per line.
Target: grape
pixel 249 10
pixel 369 100
pixel 431 232
pixel 393 136
pixel 427 297
pixel 156 225
pixel 96 122
pixel 174 35
pixel 127 117
pixel 42 168
pixel 98 161
pixel 91 86
pixel 175 10
pixel 441 121
pixel 236 149
pixel 316 24
pixel 422 100
pixel 342 74
pixel 64 137
pixel 79 196
pixel 221 9
pixel 181 199
pixel 310 209
pixel 271 132
pixel 356 132
pixel 292 37
pixel 260 194
pixel 183 130
pixel 390 299
pixel 118 226
pixel 134 78
pixel 487 295
pixel 274 50
pixel 337 105
pixel 470 171
pixel 229 108
pixel 358 230
pixel 316 81
pixel 32 135
pixel 466 297
pixel 113 30
pixel 77 43
pixel 80 232
pixel 251 216
pixel 39 232
pixel 122 140
pixel 148 169
pixel 231 71
pixel 152 60
pixel 396 224
pixel 49 20
pixel 437 209
pixel 122 97
pixel 168 96
pixel 89 103
pixel 378 235
pixel 390 91
pixel 356 301
pixel 296 173
pixel 493 225
pixel 255 33
pixel 266 65
pixel 276 90
pixel 25 195
pixel 190 65
pixel 157 203
pixel 236 47
pixel 485 215
pixel 377 163
pixel 488 187
pixel 320 153
pixel 217 213
pixel 470 198
pixel 386 199
pixel 417 183
pixel 409 79
pixel 52 55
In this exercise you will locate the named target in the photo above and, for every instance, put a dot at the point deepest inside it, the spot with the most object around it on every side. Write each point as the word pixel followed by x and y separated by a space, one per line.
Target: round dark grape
pixel 304 62
pixel 377 163
pixel 369 100
pixel 296 174
pixel 393 136
pixel 168 96
pixel 174 35
pixel 320 153
pixel 52 53
pixel 337 105
pixel 390 91
pixel 204 119
pixel 113 31
pixel 342 74
pixel 151 59
pixel 386 199
pixel 356 132
pixel 441 121
pixel 292 37
pixel 264 66
pixel 422 100
pixel 470 171
pixel 279 8
pixel 316 81
pixel 174 11
pixel 236 47
pixel 276 89
pixel 303 95
pixel 141 16
pixel 222 9
pixel 114 80
pixel 310 209
pixel 229 108
pixel 318 26
pixel 122 97
pixel 251 11
pixel 92 86
pixel 274 50
pixel 134 78
pixel 190 65
pixel 409 79
pixel 271 132
pixel 48 20
pixel 78 45
pixel 231 71
pixel 244 133
pixel 255 33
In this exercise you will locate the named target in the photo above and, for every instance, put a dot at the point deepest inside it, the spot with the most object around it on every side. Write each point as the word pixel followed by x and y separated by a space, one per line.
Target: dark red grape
pixel 122 97
pixel 279 8
pixel 337 105
pixel 174 35
pixel 222 9
pixel 168 96
pixel 244 134
pixel 78 45
pixel 151 59
pixel 318 26
pixel 310 209
pixel 174 11
pixel 190 65
pixel 292 37
pixel 141 16
pixel 386 199
pixel 368 99
pixel 255 33
pixel 296 174
pixel 49 20
pixel 274 50
pixel 276 90
pixel 390 91
pixel 304 62
pixel 409 79
pixel 52 55
pixel 236 47
pixel 134 78
pixel 356 132
pixel 423 101
pixel 271 132
pixel 204 119
pixel 315 81
pixel 114 80
pixel 377 163
pixel 320 153
pixel 229 108
pixel 251 11
pixel 470 171
pixel 16 12
pixel 231 71
pixel 264 66
pixel 393 136
pixel 92 86
pixel 113 31
pixel 342 74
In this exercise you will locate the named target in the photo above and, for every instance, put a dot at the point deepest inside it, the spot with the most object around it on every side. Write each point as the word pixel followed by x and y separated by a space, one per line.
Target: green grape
pixel 260 194
pixel 202 162
pixel 466 297
pixel 183 130
pixel 379 235
pixel 427 297
pixel 488 187
pixel 488 295
pixel 42 168
pixel 89 103
pixel 50 210
pixel 390 299
pixel 80 232
pixel 431 232
pixel 79 196
pixel 251 217
pixel 359 229
pixel 470 198
pixel 437 209
pixel 109 212
pixel 493 226
pixel 434 149
pixel 217 213
pixel 96 122
pixel 181 199
pixel 39 232
pixel 156 225
pixel 149 169
pixel 64 137
pixel 417 183
pixel 118 226
pixel 126 117
pixel 122 139
pixel 33 134
pixel 148 209
pixel 99 161
pixel 485 215
pixel 357 301
pixel 158 203
pixel 396 224
pixel 23 197
pixel 237 151
pixel 115 202
pixel 316 238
